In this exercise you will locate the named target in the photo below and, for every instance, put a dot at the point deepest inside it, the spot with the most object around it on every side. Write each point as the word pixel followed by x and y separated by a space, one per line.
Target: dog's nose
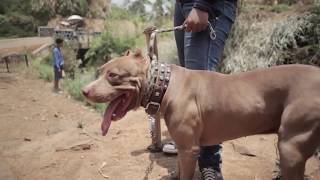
pixel 86 92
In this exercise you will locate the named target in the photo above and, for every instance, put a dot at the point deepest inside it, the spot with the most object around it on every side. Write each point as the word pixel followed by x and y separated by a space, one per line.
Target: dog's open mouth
pixel 117 108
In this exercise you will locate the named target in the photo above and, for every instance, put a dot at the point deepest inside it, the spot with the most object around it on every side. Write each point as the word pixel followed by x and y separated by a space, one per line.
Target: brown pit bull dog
pixel 204 108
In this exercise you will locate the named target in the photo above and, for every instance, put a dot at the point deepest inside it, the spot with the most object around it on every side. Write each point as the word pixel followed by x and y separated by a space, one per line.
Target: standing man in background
pixel 58 64
pixel 197 50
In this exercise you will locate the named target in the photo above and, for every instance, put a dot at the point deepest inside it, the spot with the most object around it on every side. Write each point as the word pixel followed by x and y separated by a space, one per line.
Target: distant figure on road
pixel 58 64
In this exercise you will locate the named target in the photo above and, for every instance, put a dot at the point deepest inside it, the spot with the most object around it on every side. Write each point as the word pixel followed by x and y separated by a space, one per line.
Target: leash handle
pixel 182 27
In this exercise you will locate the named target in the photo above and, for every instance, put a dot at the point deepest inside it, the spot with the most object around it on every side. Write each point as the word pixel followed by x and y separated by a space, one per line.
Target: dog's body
pixel 206 108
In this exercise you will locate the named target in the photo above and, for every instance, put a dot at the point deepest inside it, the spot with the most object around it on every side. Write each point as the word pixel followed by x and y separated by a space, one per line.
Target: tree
pixel 138 7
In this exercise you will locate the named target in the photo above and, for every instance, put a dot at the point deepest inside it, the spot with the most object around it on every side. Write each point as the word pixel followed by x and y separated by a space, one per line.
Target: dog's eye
pixel 112 75
pixel 113 78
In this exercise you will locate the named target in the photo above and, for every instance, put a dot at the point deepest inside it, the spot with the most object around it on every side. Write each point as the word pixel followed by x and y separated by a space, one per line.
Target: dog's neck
pixel 158 77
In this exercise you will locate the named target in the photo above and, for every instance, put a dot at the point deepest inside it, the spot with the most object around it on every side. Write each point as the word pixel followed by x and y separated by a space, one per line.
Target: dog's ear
pixel 127 53
pixel 138 53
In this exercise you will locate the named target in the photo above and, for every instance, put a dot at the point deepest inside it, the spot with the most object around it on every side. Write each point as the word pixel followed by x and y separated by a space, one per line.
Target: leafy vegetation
pixel 16 19
pixel 106 45
pixel 112 41
pixel 20 18
pixel 67 7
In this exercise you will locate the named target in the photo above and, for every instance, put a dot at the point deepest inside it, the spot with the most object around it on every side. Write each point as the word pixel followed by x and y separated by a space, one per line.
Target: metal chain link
pixel 212 31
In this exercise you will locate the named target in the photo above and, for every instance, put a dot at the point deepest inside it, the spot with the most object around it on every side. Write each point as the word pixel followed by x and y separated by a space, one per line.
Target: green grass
pixel 44 71
pixel 74 86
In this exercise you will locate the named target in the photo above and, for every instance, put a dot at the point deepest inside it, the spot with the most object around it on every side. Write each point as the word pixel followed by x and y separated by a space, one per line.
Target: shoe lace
pixel 209 174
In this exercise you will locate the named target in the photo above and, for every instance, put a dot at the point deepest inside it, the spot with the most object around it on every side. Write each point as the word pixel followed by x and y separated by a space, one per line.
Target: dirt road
pixel 18 45
pixel 40 139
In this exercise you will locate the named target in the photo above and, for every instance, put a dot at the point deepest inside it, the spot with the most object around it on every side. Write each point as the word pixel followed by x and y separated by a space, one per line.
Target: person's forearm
pixel 57 64
pixel 204 5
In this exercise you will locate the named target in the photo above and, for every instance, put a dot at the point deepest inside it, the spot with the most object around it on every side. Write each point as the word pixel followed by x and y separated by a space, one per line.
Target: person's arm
pixel 56 59
pixel 197 19
pixel 203 5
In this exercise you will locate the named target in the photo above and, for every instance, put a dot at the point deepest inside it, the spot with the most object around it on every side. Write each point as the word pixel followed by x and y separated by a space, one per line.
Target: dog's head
pixel 120 83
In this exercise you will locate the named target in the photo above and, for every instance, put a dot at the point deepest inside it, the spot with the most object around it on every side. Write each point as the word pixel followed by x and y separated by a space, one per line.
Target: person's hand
pixel 63 73
pixel 196 21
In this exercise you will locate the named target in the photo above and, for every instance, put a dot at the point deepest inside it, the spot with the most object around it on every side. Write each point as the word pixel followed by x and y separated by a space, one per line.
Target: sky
pixel 120 2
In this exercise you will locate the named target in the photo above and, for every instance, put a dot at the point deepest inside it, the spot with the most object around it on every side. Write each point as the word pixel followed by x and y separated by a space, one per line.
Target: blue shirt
pixel 57 58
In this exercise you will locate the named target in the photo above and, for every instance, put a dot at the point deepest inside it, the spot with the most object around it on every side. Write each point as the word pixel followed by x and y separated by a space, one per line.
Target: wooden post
pixel 148 31
pixel 7 63
pixel 156 145
pixel 26 58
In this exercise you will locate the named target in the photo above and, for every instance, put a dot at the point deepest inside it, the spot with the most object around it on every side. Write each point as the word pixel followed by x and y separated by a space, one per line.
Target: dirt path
pixel 40 139
pixel 18 45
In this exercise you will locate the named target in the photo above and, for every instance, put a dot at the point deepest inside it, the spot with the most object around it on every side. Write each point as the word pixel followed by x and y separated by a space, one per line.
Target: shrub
pixel 46 72
pixel 41 11
pixel 43 69
pixel 17 25
pixel 107 44
pixel 4 25
pixel 68 7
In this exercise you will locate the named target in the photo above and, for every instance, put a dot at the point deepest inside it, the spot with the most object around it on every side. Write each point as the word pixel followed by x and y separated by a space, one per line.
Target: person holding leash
pixel 200 51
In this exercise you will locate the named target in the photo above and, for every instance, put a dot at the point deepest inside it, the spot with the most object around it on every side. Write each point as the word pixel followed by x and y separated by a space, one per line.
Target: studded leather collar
pixel 158 81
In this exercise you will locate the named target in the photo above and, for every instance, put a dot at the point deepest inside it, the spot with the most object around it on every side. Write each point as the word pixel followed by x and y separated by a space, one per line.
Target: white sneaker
pixel 170 148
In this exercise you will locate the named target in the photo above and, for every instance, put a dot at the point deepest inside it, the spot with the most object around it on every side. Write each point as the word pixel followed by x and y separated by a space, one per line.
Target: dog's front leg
pixel 187 162
pixel 185 128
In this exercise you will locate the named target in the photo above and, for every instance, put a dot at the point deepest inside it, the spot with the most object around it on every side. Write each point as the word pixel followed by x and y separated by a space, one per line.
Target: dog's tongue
pixel 108 116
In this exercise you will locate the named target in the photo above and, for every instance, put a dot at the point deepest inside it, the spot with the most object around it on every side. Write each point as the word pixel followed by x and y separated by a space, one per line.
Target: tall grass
pixel 44 70
pixel 260 43
pixel 74 85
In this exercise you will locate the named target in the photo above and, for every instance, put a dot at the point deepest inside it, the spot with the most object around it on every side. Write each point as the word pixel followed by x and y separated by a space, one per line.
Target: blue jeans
pixel 198 51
